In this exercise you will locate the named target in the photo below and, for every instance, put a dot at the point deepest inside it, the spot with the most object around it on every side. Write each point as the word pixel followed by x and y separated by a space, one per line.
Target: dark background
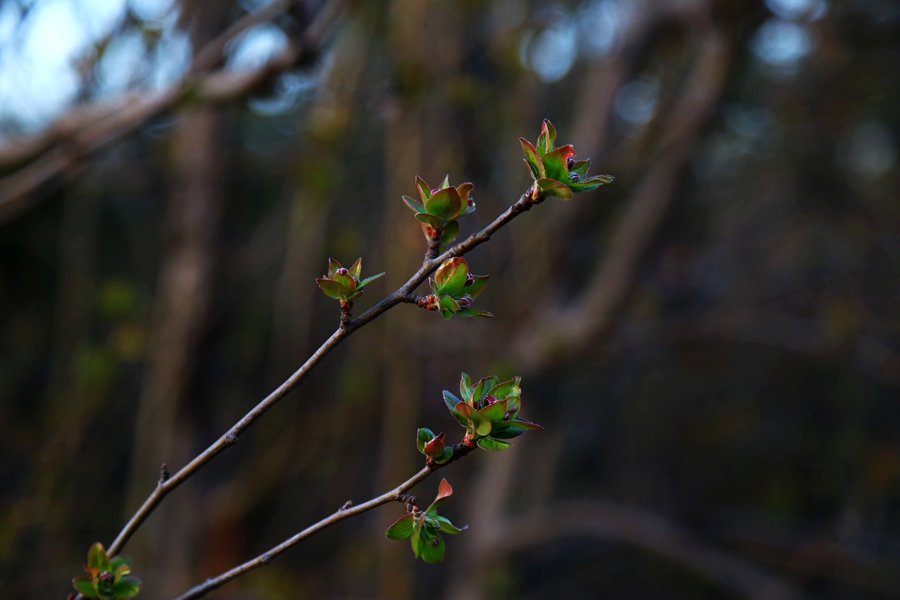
pixel 710 341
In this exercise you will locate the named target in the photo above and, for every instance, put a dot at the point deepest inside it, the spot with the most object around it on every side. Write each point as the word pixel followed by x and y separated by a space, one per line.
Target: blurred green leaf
pixel 126 587
pixel 402 528
pixel 423 436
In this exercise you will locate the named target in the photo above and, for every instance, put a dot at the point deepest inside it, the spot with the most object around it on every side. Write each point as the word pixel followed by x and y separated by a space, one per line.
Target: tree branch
pixel 229 438
pixel 345 512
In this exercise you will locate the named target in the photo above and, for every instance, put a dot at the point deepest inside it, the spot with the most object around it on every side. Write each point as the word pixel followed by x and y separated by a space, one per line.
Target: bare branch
pixel 229 438
pixel 398 494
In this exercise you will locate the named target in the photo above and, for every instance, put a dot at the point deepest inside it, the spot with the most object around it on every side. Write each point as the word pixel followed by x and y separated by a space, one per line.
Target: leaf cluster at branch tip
pixel 424 528
pixel 109 579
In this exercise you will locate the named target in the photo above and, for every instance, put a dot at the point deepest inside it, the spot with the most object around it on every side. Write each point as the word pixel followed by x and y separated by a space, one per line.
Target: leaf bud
pixel 570 162
pixel 342 271
pixel 470 279
pixel 464 302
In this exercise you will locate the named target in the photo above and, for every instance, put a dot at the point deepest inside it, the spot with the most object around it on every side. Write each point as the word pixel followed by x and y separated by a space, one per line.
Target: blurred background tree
pixel 710 341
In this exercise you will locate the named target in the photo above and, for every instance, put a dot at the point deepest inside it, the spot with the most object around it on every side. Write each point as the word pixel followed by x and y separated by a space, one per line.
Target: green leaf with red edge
pixel 451 230
pixel 480 424
pixel 451 401
pixel 423 436
pixel 368 280
pixel 346 281
pixel 495 411
pixel 444 491
pixel 430 220
pixel 402 528
pixel 492 445
pixel 424 189
pixel 503 390
pixel 127 587
pixel 447 455
pixel 544 145
pixel 431 546
pixel 121 571
pixel 356 268
pixel 116 562
pixel 477 286
pixel 83 585
pixel 450 278
pixel 532 159
pixel 555 163
pixel 448 527
pixel 97 558
pixel 473 312
pixel 445 204
pixel 509 429
pixel 445 183
pixel 333 289
pixel 435 447
pixel 465 385
pixel 333 266
pixel 484 386
pixel 415 206
pixel 552 187
pixel 448 307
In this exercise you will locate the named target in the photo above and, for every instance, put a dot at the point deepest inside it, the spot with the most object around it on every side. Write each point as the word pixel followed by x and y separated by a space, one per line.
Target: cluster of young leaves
pixel 342 283
pixel 489 410
pixel 109 579
pixel 556 173
pixel 440 207
pixel 453 289
pixel 423 528
pixel 432 446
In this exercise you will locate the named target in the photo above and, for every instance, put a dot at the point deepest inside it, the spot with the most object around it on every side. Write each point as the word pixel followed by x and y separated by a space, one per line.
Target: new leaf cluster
pixel 440 207
pixel 489 410
pixel 423 528
pixel 109 578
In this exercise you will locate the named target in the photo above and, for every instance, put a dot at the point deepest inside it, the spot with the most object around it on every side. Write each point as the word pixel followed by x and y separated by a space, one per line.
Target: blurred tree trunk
pixel 401 374
pixel 179 311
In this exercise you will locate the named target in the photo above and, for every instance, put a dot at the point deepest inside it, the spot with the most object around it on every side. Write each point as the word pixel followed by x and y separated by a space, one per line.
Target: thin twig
pixel 398 494
pixel 403 295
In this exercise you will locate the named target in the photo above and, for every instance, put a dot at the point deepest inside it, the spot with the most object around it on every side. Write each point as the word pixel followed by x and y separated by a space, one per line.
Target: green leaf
pixel 493 445
pixel 119 560
pixel 544 141
pixel 356 268
pixel 581 167
pixel 555 163
pixel 532 159
pixel 480 424
pixel 465 386
pixel 451 401
pixel 503 390
pixel 487 384
pixel 402 528
pixel 83 585
pixel 121 571
pixel 333 266
pixel 430 220
pixel 477 285
pixel 415 206
pixel 591 183
pixel 333 289
pixel 472 312
pixel 416 534
pixel 369 279
pixel 446 182
pixel 451 230
pixel 451 276
pixel 127 587
pixel 423 436
pixel 551 187
pixel 448 306
pixel 345 280
pixel 551 131
pixel 424 190
pixel 97 558
pixel 446 204
pixel 506 433
pixel 447 455
pixel 495 411
pixel 448 527
pixel 431 546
